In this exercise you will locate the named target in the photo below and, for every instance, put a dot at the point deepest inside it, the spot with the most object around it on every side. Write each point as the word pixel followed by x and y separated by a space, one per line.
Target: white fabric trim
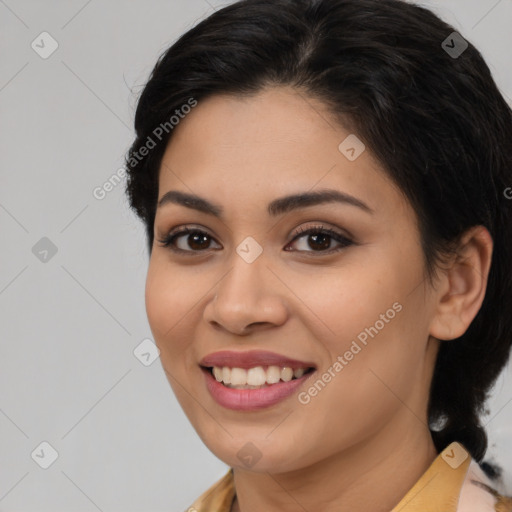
pixel 474 498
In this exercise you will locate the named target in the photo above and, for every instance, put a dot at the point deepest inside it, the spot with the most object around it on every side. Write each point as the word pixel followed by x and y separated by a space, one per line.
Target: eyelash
pixel 344 242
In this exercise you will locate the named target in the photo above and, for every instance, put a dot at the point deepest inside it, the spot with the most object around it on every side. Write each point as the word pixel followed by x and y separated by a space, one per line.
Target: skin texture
pixel 363 441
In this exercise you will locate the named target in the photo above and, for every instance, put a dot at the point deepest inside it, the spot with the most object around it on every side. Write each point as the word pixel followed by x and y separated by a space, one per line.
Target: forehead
pixel 273 120
pixel 274 143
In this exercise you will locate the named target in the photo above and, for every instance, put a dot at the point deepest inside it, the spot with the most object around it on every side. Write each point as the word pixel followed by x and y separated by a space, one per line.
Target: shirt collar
pixel 439 487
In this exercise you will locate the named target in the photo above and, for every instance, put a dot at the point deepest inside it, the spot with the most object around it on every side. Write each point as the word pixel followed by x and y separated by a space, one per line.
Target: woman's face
pixel 355 306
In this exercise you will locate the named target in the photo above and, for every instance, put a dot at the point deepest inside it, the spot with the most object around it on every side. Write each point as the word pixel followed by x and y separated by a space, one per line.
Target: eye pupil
pixel 323 237
pixel 196 239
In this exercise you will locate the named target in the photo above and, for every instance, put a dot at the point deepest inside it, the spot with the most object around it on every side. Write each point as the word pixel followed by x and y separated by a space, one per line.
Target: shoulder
pixel 479 495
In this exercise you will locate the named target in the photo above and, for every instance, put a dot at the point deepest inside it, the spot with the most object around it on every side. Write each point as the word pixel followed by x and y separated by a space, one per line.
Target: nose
pixel 248 298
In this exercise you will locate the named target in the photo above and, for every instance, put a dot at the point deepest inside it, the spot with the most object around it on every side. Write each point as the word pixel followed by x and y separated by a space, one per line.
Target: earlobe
pixel 463 285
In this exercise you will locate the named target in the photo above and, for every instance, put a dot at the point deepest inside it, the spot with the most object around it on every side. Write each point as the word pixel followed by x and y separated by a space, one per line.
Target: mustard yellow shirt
pixel 454 482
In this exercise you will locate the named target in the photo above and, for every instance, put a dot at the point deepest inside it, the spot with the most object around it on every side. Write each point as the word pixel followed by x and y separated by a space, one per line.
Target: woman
pixel 323 185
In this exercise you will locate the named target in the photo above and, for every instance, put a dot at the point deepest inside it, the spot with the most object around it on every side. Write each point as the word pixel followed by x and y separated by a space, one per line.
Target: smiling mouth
pixel 256 377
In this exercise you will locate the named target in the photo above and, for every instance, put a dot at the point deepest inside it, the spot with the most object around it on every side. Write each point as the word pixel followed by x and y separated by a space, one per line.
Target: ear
pixel 461 287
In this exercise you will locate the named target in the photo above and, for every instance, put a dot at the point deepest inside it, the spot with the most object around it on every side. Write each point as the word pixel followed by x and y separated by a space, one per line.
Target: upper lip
pixel 250 359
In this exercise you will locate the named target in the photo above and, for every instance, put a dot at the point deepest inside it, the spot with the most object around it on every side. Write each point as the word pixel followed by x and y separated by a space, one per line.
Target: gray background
pixel 70 321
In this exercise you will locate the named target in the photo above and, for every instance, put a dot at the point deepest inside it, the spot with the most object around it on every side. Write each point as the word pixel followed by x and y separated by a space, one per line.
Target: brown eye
pixel 191 240
pixel 319 239
pixel 316 239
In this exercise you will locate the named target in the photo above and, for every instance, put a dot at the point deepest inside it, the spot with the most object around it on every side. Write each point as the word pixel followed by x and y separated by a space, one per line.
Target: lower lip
pixel 251 399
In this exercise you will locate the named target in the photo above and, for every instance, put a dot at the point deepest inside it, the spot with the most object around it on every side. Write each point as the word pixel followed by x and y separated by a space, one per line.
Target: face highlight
pixel 333 276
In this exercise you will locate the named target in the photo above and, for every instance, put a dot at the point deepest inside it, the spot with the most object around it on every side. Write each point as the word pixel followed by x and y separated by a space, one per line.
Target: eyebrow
pixel 277 207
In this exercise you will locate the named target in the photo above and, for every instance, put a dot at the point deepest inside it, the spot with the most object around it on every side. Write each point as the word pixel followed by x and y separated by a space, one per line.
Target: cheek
pixel 169 301
pixel 366 384
pixel 374 317
pixel 346 302
pixel 381 362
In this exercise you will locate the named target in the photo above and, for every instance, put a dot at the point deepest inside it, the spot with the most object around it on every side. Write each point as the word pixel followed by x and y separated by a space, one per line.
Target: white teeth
pixel 273 374
pixel 217 373
pixel 298 373
pixel 287 374
pixel 238 376
pixel 226 375
pixel 255 377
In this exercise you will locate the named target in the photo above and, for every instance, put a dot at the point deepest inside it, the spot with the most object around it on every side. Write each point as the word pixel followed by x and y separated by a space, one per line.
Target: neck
pixel 373 475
